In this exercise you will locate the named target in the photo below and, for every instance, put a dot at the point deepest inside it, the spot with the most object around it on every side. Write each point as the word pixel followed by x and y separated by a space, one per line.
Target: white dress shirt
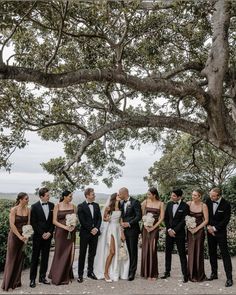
pixel 215 206
pixel 175 208
pixel 126 204
pixel 45 209
pixel 91 208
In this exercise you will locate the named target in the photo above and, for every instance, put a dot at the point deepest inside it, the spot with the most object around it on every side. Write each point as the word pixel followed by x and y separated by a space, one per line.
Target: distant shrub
pixel 5 206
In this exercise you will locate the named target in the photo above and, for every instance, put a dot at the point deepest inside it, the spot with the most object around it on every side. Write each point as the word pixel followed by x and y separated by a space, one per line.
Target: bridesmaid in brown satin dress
pixel 150 235
pixel 61 271
pixel 19 216
pixel 196 238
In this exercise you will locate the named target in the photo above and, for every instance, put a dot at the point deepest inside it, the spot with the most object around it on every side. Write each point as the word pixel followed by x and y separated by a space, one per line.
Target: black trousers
pixel 132 245
pixel 90 242
pixel 40 249
pixel 221 240
pixel 180 242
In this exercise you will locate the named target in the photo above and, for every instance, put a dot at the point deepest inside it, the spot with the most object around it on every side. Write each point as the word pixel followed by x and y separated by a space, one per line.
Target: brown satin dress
pixel 149 264
pixel 196 270
pixel 15 257
pixel 61 269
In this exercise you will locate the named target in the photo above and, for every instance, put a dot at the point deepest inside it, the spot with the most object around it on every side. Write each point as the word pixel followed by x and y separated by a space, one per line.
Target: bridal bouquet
pixel 71 220
pixel 148 219
pixel 123 255
pixel 27 231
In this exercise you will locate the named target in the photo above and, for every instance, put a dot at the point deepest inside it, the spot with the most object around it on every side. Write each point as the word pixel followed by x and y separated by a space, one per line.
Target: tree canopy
pixel 97 75
pixel 190 164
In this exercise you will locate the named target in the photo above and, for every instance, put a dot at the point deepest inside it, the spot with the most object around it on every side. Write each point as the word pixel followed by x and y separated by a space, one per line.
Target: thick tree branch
pixel 182 68
pixel 140 122
pixel 148 85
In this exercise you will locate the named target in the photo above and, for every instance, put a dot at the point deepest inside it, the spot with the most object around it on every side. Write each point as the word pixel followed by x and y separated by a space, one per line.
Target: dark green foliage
pixel 5 206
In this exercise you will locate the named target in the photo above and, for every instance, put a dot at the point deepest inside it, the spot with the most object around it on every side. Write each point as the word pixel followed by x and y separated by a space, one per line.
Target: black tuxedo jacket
pixel 88 222
pixel 132 215
pixel 38 220
pixel 177 223
pixel 222 215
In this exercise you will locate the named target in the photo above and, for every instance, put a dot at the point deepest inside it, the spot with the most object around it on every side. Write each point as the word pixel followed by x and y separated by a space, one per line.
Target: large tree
pixel 97 74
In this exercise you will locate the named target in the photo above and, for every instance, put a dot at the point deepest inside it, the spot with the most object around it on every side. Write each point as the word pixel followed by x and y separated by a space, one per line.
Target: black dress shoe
pixel 130 278
pixel 166 275
pixel 44 281
pixel 229 283
pixel 213 276
pixel 185 279
pixel 32 284
pixel 80 280
pixel 92 276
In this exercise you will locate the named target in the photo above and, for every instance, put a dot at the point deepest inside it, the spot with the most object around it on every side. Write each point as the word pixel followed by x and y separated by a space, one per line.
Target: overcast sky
pixel 27 173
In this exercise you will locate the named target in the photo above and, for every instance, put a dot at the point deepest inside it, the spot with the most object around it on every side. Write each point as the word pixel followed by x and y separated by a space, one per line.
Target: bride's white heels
pixel 107 280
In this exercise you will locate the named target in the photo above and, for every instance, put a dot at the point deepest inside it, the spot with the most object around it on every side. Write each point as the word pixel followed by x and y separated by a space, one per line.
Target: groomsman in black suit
pixel 219 217
pixel 131 214
pixel 41 221
pixel 90 220
pixel 176 211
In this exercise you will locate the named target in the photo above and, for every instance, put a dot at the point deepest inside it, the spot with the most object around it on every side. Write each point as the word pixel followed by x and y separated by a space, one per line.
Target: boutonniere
pixel 128 203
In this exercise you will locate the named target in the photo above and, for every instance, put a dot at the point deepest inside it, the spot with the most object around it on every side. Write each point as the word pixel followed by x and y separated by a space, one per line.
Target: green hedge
pixel 5 206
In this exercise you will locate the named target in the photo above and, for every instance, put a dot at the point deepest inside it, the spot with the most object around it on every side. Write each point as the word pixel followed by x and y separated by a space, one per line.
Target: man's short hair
pixel 43 191
pixel 216 190
pixel 178 192
pixel 88 191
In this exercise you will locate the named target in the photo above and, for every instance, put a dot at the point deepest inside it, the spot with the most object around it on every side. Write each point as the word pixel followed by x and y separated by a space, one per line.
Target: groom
pixel 90 219
pixel 131 214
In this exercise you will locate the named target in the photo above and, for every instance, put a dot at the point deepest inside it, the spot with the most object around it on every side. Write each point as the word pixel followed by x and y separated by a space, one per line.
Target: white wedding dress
pixel 118 268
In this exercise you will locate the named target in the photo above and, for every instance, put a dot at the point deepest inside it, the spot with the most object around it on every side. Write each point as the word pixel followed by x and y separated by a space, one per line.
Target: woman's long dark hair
pixel 20 196
pixel 64 194
pixel 112 204
pixel 154 192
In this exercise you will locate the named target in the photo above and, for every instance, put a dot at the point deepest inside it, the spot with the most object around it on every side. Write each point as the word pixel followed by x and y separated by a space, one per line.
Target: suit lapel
pixel 178 208
pixel 220 206
pixel 40 208
pixel 86 208
pixel 128 207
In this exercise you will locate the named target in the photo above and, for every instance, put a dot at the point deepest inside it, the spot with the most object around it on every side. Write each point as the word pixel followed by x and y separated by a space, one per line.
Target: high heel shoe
pixel 107 279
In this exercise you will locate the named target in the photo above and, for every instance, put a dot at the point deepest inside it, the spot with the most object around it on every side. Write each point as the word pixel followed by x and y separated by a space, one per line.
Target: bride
pixel 108 263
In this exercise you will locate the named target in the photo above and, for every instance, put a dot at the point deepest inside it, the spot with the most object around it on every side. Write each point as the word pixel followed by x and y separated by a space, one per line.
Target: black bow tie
pixel 215 202
pixel 44 204
pixel 175 203
pixel 90 204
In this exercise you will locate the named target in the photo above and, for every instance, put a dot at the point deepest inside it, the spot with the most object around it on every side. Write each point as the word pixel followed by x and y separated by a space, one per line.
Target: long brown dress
pixel 196 270
pixel 61 269
pixel 15 256
pixel 149 264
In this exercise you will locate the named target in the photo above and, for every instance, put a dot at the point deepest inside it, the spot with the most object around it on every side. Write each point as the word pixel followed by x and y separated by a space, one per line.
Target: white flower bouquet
pixel 190 222
pixel 27 231
pixel 123 255
pixel 148 219
pixel 71 221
